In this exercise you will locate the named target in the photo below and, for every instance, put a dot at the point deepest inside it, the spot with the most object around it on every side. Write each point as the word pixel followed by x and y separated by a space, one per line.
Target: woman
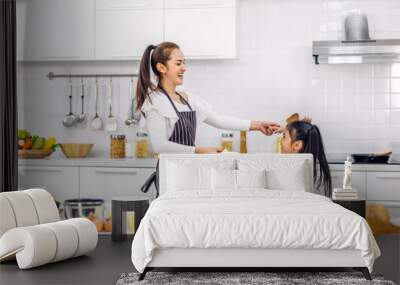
pixel 304 137
pixel 172 117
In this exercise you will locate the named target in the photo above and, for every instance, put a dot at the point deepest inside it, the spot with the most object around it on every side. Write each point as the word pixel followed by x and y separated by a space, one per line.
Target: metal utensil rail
pixel 52 75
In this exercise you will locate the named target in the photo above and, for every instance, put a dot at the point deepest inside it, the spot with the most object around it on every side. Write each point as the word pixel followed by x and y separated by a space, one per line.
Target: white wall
pixel 356 106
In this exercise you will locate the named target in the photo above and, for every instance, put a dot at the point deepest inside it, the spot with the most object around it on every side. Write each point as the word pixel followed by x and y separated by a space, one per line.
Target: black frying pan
pixel 371 158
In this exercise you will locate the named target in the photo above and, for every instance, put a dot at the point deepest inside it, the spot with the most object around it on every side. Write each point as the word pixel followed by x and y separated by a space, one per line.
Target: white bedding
pixel 250 218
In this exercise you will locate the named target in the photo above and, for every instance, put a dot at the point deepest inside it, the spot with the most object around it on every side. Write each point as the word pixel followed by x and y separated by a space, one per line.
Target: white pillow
pixel 282 174
pixel 251 178
pixel 223 179
pixel 290 176
pixel 227 179
pixel 183 177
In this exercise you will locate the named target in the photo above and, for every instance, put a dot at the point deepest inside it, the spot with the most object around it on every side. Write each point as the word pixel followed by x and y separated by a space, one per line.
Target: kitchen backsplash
pixel 357 107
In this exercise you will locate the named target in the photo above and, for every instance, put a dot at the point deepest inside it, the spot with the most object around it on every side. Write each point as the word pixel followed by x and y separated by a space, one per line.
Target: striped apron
pixel 185 128
pixel 184 133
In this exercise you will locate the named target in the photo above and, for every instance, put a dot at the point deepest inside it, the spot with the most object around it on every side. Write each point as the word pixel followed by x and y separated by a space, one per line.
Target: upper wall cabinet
pixel 203 29
pixel 55 29
pixel 121 29
pixel 125 27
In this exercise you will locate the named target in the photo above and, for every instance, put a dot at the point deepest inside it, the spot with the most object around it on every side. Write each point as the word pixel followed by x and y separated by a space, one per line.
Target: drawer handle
pixel 137 6
pixel 390 204
pixel 387 177
pixel 202 56
pixel 125 56
pixel 41 170
pixel 208 4
pixel 59 57
pixel 116 172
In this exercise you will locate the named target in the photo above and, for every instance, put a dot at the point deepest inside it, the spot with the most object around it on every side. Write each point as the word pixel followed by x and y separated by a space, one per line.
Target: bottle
pixel 227 141
pixel 278 144
pixel 129 149
pixel 243 142
pixel 142 145
pixel 117 146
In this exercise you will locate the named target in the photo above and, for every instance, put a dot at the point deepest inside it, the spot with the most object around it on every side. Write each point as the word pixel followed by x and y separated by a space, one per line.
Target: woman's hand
pixel 200 149
pixel 267 128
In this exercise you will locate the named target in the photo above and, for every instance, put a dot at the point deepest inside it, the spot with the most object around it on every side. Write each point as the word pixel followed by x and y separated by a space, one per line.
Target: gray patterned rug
pixel 242 278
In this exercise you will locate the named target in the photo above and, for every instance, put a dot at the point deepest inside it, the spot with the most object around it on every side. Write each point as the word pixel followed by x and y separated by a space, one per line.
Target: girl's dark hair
pixel 161 54
pixel 312 140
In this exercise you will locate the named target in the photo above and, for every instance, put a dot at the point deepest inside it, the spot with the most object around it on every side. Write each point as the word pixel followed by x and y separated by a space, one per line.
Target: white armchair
pixel 31 232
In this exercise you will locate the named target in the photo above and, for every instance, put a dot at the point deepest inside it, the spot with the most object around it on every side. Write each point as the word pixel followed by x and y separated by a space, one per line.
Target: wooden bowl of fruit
pixel 32 146
pixel 34 153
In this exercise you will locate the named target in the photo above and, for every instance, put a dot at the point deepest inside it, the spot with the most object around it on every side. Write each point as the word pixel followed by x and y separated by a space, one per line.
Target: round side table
pixel 122 204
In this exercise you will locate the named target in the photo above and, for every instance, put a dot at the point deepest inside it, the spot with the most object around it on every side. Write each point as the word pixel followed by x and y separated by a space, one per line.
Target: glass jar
pixel 117 147
pixel 142 145
pixel 227 141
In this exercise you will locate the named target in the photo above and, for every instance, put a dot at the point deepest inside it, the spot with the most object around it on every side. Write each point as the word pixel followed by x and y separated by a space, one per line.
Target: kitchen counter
pixel 366 167
pixel 91 162
pixel 151 163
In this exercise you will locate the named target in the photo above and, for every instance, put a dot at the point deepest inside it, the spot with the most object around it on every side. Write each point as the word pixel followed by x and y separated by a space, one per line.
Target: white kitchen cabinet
pixel 394 210
pixel 61 182
pixel 383 186
pixel 21 28
pixel 107 182
pixel 55 29
pixel 62 30
pixel 358 181
pixel 202 30
pixel 125 28
pixel 392 206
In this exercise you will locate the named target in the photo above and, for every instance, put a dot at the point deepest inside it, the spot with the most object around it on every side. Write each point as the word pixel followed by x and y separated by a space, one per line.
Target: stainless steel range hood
pixel 367 51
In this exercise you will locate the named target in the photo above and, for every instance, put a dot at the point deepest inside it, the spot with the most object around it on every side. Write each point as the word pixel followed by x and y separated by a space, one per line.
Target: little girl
pixel 304 137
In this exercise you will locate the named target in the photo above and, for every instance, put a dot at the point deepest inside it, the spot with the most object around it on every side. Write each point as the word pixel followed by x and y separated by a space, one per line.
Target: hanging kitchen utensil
pixel 131 120
pixel 111 121
pixel 82 116
pixel 70 119
pixel 136 113
pixel 97 122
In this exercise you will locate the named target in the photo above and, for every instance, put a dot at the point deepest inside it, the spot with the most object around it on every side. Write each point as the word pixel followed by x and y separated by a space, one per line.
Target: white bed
pixel 198 223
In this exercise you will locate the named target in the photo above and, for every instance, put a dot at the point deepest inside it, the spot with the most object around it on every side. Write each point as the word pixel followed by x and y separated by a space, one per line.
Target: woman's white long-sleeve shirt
pixel 161 118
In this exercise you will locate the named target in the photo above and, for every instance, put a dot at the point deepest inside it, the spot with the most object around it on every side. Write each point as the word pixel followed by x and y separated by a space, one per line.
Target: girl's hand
pixel 267 128
pixel 200 149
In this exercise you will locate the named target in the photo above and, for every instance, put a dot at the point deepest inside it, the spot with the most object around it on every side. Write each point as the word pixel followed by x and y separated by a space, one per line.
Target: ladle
pixel 131 119
pixel 82 116
pixel 70 119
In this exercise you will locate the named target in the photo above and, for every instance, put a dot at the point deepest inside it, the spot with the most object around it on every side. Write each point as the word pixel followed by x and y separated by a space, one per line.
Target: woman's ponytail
pixel 144 84
pixel 151 56
pixel 314 145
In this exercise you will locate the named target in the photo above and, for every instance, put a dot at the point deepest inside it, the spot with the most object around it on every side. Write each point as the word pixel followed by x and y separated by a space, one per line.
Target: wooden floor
pixel 111 259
